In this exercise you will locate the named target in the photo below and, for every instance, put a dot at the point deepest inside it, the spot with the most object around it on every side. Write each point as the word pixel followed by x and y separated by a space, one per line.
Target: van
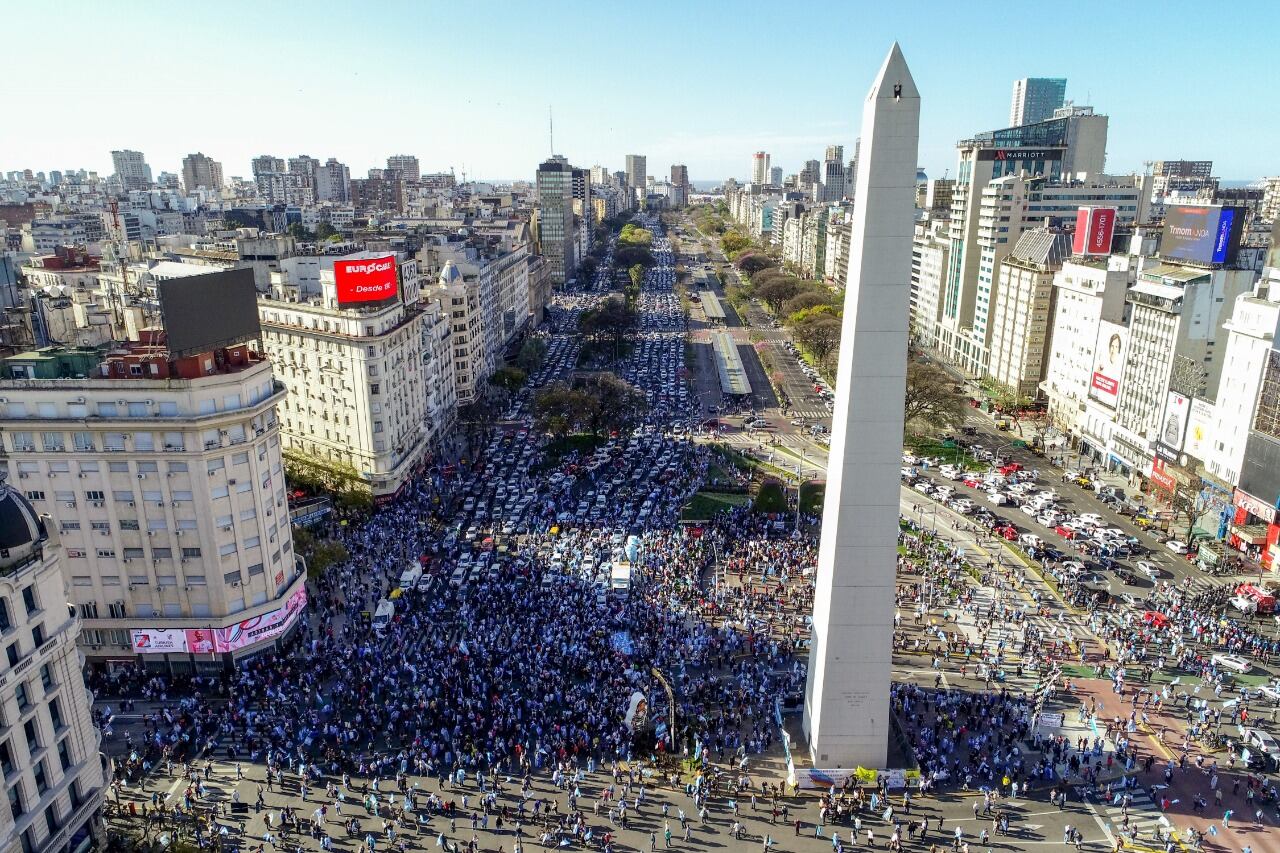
pixel 1031 540
pixel 383 615
pixel 410 577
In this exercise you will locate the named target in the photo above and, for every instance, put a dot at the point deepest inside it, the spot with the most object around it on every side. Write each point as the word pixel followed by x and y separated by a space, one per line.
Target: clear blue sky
pixel 702 83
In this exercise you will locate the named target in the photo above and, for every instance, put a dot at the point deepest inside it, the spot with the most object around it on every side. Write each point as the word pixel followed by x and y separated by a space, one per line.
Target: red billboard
pixel 365 280
pixel 1095 227
pixel 1161 478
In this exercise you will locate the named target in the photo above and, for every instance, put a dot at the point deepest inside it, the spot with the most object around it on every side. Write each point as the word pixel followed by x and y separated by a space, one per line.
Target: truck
pixel 410 577
pixel 620 580
pixel 383 615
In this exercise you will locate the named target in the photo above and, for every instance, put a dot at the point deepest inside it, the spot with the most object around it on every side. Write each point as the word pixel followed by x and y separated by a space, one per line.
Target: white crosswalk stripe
pixel 1145 817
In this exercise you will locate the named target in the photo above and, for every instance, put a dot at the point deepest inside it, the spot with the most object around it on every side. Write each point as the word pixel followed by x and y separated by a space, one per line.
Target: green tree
pixel 626 257
pixel 776 291
pixel 636 272
pixel 509 379
pixel 561 410
pixel 531 354
pixel 587 269
pixel 733 242
pixel 325 231
pixel 806 299
pixel 753 262
pixel 931 397
pixel 819 333
pixel 618 403
pixel 298 231
pixel 612 317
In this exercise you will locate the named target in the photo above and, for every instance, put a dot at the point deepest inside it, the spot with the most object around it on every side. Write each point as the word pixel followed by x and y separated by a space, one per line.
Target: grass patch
pixel 561 446
pixel 949 454
pixel 704 505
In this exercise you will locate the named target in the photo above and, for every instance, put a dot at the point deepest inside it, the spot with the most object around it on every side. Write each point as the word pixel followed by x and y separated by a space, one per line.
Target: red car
pixel 1065 532
pixel 1009 532
pixel 1011 468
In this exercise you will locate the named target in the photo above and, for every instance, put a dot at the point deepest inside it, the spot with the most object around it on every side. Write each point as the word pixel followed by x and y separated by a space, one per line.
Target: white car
pixel 1091 518
pixel 1151 570
pixel 997 498
pixel 1235 663
pixel 910 459
pixel 1176 546
pixel 1048 520
pixel 951 472
pixel 1031 509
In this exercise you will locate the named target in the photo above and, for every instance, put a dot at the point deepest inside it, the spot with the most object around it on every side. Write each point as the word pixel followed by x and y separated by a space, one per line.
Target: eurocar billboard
pixel 1095 228
pixel 365 280
pixel 1206 234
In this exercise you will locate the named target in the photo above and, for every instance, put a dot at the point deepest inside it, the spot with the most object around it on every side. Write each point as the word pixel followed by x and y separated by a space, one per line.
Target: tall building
pixel 851 171
pixel 54 775
pixel 555 215
pixel 1021 319
pixel 810 175
pixel 333 182
pixel 832 176
pixel 1048 151
pixel 407 165
pixel 131 169
pixel 359 374
pixel 201 171
pixel 846 709
pixel 1035 99
pixel 775 176
pixel 163 473
pixel 637 177
pixel 269 178
pixel 760 168
pixel 680 176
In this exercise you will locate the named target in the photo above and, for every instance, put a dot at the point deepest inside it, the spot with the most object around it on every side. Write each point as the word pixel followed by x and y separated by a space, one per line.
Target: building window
pixel 6 759
pixel 5 621
pixel 46 677
pixel 33 735
pixel 55 715
pixel 64 755
pixel 29 600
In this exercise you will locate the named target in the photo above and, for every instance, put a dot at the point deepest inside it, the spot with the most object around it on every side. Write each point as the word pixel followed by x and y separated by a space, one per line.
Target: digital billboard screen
pixel 1205 234
pixel 210 311
pixel 365 280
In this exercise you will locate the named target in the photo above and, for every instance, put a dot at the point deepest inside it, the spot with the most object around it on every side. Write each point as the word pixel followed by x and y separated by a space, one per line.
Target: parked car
pixel 1176 546
pixel 1151 570
pixel 1235 663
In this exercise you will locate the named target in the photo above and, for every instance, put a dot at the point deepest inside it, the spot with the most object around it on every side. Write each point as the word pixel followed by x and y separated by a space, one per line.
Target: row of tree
pixel 596 403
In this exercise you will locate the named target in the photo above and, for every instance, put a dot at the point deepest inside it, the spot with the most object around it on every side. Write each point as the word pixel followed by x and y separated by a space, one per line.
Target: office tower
pixel 407 164
pixel 54 775
pixel 201 171
pixel 637 177
pixel 851 170
pixel 810 174
pixel 775 176
pixel 269 177
pixel 760 167
pixel 131 169
pixel 1035 99
pixel 846 711
pixel 680 176
pixel 555 214
pixel 333 182
pixel 833 173
pixel 600 176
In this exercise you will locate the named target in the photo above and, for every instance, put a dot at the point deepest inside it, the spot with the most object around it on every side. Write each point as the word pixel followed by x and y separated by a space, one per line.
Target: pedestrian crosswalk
pixel 809 413
pixel 1144 826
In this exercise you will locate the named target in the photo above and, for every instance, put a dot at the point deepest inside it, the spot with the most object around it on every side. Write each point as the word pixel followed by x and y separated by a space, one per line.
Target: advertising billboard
pixel 259 628
pixel 207 641
pixel 210 311
pixel 1173 424
pixel 1095 228
pixel 365 280
pixel 1204 233
pixel 158 641
pixel 1161 478
pixel 1198 426
pixel 1108 362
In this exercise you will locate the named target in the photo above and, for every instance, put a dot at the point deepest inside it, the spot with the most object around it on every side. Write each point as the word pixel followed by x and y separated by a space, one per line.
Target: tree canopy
pixel 819 333
pixel 776 290
pixel 932 398
pixel 733 242
pixel 612 317
pixel 596 403
pixel 753 262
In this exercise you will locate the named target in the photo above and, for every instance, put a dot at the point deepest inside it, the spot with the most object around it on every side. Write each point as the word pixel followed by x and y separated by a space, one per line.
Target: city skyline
pixel 465 120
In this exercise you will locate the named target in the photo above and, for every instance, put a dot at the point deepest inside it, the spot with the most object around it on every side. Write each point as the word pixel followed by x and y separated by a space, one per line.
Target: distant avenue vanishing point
pixel 846 711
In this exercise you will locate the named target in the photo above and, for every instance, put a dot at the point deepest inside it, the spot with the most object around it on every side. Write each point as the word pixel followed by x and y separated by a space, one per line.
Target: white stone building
pixel 55 777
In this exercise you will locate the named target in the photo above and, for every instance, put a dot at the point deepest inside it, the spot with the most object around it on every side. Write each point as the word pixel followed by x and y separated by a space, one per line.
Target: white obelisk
pixel 846 709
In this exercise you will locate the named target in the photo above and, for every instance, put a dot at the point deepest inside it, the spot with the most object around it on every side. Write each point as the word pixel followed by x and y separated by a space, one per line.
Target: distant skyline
pixel 468 86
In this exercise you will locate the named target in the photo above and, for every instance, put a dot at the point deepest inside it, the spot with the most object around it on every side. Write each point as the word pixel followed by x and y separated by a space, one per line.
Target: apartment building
pixel 55 777
pixel 355 373
pixel 930 246
pixel 163 477
pixel 1020 328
